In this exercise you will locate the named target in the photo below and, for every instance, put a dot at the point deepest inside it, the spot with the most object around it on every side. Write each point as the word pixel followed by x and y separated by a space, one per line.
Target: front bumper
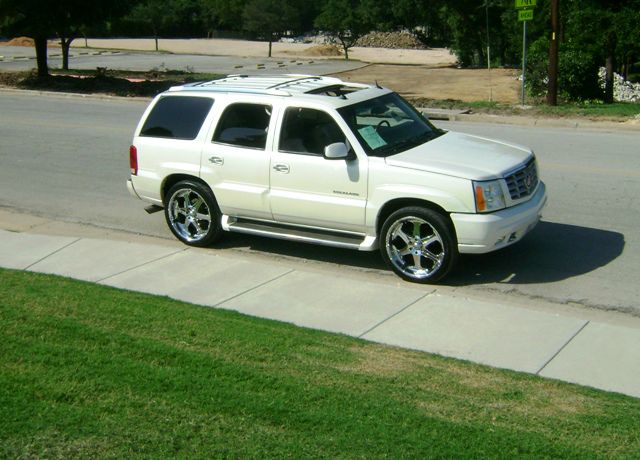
pixel 481 233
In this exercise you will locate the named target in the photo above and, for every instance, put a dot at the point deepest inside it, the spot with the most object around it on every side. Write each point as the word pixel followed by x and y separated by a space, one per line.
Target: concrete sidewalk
pixel 575 345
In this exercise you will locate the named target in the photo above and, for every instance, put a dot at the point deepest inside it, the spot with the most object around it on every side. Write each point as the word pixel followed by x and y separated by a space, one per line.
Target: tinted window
pixel 177 117
pixel 245 125
pixel 308 131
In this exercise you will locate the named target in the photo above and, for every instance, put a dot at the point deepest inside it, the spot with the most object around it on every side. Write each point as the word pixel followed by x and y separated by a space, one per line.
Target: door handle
pixel 216 161
pixel 281 168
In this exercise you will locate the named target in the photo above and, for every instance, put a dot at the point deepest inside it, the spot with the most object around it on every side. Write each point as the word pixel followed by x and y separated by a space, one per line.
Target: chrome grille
pixel 524 181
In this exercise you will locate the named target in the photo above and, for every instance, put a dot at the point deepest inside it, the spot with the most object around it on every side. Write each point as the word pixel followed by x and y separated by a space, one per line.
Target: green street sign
pixel 525 4
pixel 525 15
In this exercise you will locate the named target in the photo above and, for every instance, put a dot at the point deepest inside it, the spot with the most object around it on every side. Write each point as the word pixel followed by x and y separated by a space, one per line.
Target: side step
pixel 303 235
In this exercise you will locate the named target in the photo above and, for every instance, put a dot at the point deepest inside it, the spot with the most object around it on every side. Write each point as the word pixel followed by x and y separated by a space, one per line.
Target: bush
pixel 577 72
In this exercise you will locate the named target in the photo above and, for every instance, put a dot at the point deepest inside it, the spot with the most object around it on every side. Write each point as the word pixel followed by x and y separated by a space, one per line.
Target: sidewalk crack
pixel 395 314
pixel 562 347
pixel 219 304
pixel 54 252
pixel 148 262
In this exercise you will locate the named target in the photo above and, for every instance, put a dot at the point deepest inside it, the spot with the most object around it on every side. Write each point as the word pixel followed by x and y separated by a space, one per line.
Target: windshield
pixel 388 125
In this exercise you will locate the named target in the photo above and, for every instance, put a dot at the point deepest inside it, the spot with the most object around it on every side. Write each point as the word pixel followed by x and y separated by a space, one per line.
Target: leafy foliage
pixel 269 19
pixel 594 33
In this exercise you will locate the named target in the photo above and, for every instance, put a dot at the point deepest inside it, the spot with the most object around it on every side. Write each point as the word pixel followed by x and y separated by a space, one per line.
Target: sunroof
pixel 335 90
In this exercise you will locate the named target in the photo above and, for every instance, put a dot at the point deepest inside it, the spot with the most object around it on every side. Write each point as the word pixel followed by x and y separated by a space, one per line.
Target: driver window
pixel 308 131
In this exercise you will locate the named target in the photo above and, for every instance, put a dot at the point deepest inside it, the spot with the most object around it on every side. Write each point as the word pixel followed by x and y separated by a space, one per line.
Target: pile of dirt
pixel 323 50
pixel 393 40
pixel 20 41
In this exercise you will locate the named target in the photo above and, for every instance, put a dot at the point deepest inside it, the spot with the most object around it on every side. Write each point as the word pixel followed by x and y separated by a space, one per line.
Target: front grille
pixel 524 181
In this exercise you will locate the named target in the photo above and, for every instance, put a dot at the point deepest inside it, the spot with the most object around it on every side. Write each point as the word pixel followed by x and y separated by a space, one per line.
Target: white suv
pixel 320 160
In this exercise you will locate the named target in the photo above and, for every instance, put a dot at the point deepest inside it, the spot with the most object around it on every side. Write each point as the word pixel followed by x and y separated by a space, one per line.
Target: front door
pixel 307 188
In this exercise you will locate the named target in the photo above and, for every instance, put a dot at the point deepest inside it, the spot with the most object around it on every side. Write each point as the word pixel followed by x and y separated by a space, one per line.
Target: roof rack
pixel 277 85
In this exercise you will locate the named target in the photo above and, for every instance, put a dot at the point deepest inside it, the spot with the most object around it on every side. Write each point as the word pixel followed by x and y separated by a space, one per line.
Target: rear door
pixel 235 160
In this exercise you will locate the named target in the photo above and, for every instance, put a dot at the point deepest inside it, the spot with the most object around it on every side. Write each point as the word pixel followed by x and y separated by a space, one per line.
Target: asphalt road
pixel 67 158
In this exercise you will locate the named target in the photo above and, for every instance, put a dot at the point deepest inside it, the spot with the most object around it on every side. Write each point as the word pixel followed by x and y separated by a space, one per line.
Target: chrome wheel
pixel 189 215
pixel 419 244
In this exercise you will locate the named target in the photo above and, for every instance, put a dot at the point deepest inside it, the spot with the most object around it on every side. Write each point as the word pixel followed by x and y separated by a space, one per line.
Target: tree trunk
pixel 345 47
pixel 65 44
pixel 41 56
pixel 270 46
pixel 610 65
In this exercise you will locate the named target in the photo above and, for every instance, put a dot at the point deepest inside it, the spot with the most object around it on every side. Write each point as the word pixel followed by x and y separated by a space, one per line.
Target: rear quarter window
pixel 177 117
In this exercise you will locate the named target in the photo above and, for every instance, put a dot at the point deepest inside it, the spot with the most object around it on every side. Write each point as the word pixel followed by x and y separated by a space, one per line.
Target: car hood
pixel 463 155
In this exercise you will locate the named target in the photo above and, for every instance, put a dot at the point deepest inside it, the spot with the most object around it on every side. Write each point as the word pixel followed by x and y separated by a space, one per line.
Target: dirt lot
pixel 499 85
pixel 429 73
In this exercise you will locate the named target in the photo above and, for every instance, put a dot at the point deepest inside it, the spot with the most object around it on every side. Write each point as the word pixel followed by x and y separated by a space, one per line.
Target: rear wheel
pixel 192 213
pixel 419 244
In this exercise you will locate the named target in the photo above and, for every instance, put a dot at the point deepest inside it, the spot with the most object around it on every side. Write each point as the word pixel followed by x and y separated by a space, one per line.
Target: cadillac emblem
pixel 528 181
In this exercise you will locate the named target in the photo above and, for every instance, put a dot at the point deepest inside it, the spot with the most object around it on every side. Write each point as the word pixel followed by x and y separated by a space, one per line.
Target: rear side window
pixel 177 117
pixel 245 125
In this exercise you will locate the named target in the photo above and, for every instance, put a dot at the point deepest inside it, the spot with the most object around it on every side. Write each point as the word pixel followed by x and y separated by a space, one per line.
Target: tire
pixel 419 244
pixel 192 213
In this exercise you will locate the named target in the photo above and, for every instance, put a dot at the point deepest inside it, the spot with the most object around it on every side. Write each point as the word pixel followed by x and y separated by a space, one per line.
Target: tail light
pixel 133 160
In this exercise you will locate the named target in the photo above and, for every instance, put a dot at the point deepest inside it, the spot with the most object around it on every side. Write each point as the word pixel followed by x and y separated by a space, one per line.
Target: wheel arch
pixel 173 179
pixel 394 205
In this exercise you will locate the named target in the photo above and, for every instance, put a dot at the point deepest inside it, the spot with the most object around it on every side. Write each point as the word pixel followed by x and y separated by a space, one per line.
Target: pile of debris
pixel 623 90
pixel 19 41
pixel 393 40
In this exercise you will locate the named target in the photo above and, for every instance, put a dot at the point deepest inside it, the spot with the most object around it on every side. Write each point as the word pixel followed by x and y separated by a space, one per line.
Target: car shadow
pixel 303 251
pixel 551 252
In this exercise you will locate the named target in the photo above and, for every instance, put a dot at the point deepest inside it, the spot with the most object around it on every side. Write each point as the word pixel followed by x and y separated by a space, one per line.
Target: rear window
pixel 177 117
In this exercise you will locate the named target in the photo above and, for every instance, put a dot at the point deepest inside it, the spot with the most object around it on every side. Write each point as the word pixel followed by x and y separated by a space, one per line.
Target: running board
pixel 303 235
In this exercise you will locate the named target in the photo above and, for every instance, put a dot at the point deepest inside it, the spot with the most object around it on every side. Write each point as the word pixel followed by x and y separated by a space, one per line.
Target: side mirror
pixel 336 151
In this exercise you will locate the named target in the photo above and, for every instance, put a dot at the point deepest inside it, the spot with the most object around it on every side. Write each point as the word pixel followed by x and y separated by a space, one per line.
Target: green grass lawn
pixel 88 371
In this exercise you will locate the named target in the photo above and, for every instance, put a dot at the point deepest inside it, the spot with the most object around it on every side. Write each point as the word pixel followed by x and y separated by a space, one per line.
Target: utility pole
pixel 552 85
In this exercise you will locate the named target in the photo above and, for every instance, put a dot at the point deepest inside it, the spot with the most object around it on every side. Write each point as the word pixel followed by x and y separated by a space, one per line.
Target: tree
pixel 346 21
pixel 628 37
pixel 30 18
pixel 270 19
pixel 72 17
pixel 41 20
pixel 223 14
pixel 422 17
pixel 153 13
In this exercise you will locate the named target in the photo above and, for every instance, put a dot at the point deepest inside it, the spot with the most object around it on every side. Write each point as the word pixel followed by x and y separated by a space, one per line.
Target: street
pixel 66 158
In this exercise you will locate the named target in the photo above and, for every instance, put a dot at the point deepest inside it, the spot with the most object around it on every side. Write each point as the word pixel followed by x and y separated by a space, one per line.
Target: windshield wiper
pixel 408 143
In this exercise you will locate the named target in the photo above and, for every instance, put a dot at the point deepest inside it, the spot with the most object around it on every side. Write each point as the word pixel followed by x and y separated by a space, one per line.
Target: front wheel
pixel 419 244
pixel 192 213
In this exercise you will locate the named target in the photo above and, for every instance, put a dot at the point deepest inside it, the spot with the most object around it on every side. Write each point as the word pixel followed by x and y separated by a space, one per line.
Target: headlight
pixel 489 195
